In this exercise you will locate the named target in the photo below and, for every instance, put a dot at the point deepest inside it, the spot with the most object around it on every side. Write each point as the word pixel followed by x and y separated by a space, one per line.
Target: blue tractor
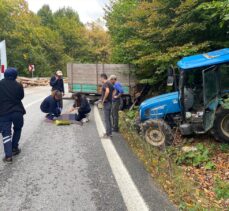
pixel 200 103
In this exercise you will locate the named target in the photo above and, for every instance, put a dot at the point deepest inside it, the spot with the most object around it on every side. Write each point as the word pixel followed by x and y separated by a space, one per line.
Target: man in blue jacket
pixel 116 101
pixel 51 105
pixel 11 113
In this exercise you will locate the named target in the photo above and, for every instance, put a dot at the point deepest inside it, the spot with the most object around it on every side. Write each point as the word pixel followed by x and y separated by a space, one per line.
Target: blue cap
pixel 11 73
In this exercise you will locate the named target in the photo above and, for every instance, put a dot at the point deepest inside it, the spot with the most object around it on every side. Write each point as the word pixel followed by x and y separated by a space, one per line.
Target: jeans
pixel 115 110
pixel 107 116
pixel 16 119
pixel 82 114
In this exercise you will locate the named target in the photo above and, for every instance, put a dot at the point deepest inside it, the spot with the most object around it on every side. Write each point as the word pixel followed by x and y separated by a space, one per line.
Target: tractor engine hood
pixel 158 107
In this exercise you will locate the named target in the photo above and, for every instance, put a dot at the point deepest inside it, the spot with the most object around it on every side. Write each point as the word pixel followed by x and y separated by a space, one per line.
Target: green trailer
pixel 85 78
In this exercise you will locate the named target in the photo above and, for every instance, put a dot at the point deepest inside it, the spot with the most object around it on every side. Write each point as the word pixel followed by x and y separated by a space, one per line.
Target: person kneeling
pixel 82 104
pixel 52 105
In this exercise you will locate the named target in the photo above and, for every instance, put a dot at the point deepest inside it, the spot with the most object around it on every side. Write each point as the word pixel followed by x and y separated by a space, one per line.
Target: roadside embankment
pixel 193 171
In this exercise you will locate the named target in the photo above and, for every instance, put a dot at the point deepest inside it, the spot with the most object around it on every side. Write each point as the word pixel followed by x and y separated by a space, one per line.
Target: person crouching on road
pixel 52 105
pixel 57 83
pixel 107 93
pixel 11 113
pixel 117 94
pixel 83 106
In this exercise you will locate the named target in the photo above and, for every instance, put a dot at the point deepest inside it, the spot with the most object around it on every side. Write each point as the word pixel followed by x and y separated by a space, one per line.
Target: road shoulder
pixel 153 196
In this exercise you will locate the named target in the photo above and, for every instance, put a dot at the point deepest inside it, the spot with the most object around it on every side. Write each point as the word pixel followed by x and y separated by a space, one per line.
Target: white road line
pixel 130 193
pixel 34 102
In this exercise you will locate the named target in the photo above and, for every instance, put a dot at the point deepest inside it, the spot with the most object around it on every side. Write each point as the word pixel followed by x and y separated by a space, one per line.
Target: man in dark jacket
pixel 51 105
pixel 57 84
pixel 107 94
pixel 11 113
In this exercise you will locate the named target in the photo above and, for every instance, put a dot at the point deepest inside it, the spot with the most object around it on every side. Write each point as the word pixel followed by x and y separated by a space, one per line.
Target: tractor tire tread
pixel 163 125
pixel 216 131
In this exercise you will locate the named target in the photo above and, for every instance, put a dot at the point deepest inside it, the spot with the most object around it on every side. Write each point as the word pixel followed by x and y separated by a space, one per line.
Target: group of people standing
pixel 112 92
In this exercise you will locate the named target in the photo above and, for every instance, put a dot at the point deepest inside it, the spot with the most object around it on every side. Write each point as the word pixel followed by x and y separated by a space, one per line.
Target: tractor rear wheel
pixel 221 125
pixel 157 132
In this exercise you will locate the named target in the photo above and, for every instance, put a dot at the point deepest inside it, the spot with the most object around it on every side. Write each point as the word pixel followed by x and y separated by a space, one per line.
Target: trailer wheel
pixel 221 125
pixel 157 132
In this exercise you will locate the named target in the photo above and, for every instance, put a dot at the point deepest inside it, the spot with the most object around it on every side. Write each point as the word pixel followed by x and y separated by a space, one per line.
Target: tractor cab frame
pixel 202 92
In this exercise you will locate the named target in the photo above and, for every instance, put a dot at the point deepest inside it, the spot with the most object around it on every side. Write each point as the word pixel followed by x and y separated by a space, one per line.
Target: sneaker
pixel 49 116
pixel 16 151
pixel 84 120
pixel 7 160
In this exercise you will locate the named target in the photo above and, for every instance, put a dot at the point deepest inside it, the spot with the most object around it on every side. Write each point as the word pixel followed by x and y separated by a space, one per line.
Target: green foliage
pixel 226 103
pixel 209 165
pixel 224 148
pixel 98 44
pixel 72 32
pixel 154 34
pixel 218 9
pixel 199 157
pixel 185 207
pixel 222 189
pixel 48 40
pixel 45 13
pixel 131 114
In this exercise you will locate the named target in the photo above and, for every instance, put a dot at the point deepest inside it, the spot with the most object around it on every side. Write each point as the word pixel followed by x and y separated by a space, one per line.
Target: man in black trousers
pixel 107 94
pixel 11 113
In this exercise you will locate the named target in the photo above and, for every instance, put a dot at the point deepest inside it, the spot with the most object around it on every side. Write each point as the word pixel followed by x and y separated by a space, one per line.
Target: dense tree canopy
pixel 154 34
pixel 48 40
pixel 99 44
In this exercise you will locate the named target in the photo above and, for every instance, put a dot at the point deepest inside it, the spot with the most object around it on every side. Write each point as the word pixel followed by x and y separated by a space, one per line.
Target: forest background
pixel 151 34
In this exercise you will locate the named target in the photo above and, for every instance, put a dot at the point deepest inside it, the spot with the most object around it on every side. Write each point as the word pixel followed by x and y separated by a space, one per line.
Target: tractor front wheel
pixel 221 125
pixel 157 132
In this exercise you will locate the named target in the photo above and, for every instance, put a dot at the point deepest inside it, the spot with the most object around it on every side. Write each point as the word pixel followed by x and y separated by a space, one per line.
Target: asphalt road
pixel 69 168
